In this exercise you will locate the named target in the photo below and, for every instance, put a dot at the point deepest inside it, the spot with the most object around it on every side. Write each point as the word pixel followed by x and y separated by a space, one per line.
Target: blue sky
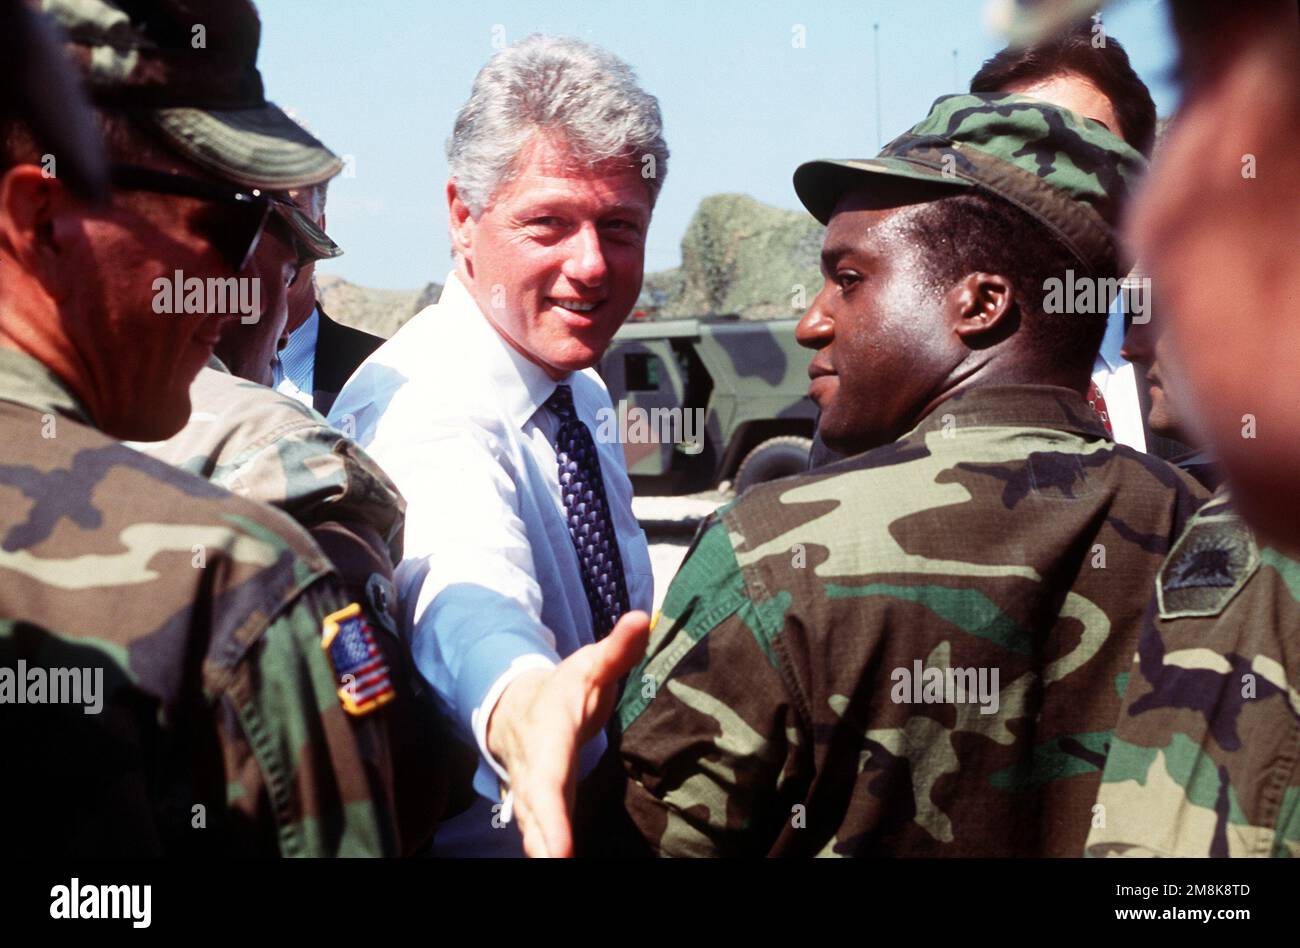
pixel 743 105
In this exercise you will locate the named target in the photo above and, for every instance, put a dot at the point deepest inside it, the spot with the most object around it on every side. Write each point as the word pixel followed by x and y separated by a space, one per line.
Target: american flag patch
pixel 359 666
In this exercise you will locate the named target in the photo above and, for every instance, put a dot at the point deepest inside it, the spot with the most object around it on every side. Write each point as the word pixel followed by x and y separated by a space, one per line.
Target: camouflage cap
pixel 1068 172
pixel 190 68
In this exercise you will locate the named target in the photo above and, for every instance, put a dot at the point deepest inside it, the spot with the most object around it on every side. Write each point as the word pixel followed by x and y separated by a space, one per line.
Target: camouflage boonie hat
pixel 190 68
pixel 1068 172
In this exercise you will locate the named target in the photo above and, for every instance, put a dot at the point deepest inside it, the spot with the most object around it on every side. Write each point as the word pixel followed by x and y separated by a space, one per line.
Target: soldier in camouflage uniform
pixel 1205 759
pixel 266 446
pixel 920 650
pixel 219 722
pixel 269 447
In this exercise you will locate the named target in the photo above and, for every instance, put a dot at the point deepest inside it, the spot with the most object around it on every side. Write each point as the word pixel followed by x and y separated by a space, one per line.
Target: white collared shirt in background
pixel 490 583
pixel 1118 381
pixel 295 369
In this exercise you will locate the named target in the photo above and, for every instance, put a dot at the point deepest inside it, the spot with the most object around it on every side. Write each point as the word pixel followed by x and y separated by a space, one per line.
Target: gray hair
pixel 558 84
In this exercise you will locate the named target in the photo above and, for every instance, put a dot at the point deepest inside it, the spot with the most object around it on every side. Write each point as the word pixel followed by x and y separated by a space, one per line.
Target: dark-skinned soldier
pixel 918 650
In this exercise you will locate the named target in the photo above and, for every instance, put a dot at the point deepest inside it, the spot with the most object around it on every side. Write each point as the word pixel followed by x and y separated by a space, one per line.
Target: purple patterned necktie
pixel 590 527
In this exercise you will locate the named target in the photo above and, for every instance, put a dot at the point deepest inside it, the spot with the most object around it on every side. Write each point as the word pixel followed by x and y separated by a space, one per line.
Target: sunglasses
pixel 244 214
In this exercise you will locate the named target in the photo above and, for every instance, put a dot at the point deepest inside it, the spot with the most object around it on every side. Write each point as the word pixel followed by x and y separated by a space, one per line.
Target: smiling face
pixel 884 342
pixel 556 260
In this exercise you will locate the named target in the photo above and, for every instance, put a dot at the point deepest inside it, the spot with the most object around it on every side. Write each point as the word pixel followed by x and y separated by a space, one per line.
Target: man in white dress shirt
pixel 526 577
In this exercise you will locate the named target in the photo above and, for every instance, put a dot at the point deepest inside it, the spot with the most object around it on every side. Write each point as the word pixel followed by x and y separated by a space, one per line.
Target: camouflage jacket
pixel 216 724
pixel 268 447
pixel 1205 760
pixel 259 443
pixel 916 651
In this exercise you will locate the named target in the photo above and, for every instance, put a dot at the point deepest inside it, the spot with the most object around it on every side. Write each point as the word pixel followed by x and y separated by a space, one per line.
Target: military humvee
pixel 702 401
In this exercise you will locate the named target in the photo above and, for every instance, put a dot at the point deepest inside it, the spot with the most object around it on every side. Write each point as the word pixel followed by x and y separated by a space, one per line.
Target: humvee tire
pixel 773 458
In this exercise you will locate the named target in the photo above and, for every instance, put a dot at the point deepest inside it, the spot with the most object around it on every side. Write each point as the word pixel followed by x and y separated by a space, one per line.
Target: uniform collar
pixel 1015 406
pixel 522 384
pixel 25 380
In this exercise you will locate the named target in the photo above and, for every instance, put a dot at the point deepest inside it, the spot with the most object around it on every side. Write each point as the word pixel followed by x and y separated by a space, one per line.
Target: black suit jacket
pixel 339 350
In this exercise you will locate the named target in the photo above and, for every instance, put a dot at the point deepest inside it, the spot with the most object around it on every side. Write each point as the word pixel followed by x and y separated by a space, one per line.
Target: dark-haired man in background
pixel 1085 71
pixel 1077 71
pixel 915 651
pixel 1088 72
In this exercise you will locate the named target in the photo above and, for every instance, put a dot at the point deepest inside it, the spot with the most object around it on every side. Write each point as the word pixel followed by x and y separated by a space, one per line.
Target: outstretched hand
pixel 543 719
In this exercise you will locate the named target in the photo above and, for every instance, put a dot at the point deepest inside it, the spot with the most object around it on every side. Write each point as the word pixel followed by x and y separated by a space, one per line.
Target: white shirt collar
pixel 507 367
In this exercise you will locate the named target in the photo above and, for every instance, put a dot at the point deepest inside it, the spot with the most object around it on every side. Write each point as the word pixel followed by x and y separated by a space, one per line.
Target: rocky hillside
pixel 381 312
pixel 738 256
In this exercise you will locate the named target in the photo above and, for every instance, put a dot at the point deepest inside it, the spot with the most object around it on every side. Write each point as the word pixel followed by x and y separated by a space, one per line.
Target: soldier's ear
pixel 981 305
pixel 36 226
pixel 460 221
